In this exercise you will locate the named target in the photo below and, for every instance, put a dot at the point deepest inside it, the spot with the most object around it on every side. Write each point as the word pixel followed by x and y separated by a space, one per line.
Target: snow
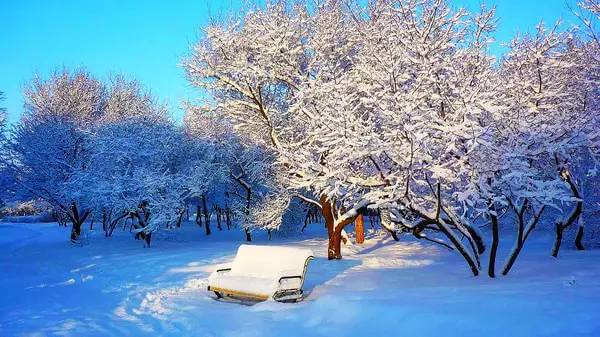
pixel 257 269
pixel 250 261
pixel 113 286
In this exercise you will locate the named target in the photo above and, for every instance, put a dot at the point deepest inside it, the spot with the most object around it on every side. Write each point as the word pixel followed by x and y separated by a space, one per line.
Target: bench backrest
pixel 269 261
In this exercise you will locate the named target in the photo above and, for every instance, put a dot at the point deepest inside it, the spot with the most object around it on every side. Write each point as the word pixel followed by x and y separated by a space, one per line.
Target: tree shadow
pixel 320 270
pixel 381 243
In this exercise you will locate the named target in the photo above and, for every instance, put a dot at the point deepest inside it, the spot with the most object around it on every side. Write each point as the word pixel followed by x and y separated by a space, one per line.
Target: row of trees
pixel 396 108
pixel 108 151
pixel 399 106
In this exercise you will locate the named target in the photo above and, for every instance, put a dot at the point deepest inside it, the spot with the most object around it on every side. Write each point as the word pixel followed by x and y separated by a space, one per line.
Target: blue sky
pixel 146 39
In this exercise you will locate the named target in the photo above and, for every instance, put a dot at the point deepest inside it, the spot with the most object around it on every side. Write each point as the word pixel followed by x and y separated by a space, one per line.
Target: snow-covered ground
pixel 114 287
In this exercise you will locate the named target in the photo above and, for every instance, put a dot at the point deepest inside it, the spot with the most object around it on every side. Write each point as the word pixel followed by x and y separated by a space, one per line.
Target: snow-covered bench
pixel 263 272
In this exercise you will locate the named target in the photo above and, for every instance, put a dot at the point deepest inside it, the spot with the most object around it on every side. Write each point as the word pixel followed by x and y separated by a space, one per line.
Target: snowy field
pixel 114 287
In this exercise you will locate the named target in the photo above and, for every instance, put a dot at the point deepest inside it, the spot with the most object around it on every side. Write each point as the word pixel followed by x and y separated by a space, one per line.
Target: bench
pixel 262 272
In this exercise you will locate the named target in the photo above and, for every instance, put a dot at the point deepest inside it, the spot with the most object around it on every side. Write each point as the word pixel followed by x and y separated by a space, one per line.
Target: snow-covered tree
pixel 236 166
pixel 50 148
pixel 399 106
pixel 135 169
pixel 548 117
pixel 254 69
pixel 49 144
pixel 207 168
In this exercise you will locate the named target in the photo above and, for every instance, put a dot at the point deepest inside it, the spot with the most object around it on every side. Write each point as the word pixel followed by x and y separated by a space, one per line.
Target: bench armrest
pixel 290 282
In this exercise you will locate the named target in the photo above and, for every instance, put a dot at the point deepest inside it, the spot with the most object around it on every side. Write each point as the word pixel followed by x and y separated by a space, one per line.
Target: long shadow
pixel 380 244
pixel 320 270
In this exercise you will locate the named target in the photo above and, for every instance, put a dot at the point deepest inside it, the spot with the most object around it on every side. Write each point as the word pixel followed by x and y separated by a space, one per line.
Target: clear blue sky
pixel 146 39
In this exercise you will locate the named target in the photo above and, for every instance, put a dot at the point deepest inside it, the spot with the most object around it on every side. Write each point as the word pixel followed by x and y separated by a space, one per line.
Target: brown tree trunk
pixel 334 231
pixel 359 229
pixel 327 210
pixel 335 241
pixel 334 249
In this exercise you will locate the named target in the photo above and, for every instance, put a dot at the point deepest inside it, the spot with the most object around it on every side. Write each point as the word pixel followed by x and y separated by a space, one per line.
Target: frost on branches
pixel 398 106
pixel 68 123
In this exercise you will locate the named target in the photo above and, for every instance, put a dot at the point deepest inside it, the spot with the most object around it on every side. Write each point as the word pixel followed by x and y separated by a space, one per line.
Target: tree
pixel 552 91
pixel 50 148
pixel 254 70
pixel 398 106
pixel 49 144
pixel 235 164
pixel 7 184
pixel 135 169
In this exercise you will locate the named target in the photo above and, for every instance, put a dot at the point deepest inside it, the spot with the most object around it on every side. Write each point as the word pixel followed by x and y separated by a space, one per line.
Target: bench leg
pixel 289 296
pixel 219 295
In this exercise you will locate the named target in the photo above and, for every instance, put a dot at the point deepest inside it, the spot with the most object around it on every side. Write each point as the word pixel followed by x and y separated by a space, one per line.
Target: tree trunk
pixel 557 239
pixel 180 218
pixel 247 215
pixel 575 213
pixel 461 248
pixel 206 215
pixel 513 257
pixel 326 208
pixel 104 222
pixel 359 229
pixel 522 236
pixel 385 221
pixel 141 225
pixel 495 241
pixel 334 248
pixel 199 214
pixel 334 231
pixel 114 222
pixel 219 215
pixel 77 220
pixel 228 217
pixel 579 236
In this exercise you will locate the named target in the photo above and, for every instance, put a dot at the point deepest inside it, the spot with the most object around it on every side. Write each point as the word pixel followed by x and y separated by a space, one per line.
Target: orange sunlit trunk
pixel 359 229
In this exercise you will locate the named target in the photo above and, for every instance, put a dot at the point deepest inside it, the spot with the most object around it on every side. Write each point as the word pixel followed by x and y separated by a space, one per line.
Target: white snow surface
pixel 115 287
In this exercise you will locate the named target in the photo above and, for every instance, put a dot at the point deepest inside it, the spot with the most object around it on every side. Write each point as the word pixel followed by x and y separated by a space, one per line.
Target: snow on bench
pixel 263 272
